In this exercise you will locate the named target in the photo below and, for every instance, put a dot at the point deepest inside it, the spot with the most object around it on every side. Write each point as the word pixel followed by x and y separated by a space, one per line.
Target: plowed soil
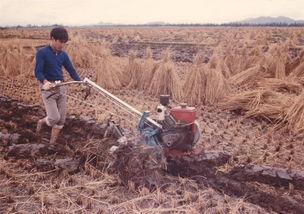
pixel 31 182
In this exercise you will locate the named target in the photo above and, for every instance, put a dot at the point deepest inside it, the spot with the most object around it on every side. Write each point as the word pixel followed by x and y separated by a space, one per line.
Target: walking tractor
pixel 174 130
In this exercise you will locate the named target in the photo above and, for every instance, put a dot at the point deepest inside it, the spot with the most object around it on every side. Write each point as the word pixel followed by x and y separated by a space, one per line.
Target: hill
pixel 270 20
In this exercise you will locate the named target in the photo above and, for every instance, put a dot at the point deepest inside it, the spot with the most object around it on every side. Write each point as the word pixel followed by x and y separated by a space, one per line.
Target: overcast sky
pixel 81 12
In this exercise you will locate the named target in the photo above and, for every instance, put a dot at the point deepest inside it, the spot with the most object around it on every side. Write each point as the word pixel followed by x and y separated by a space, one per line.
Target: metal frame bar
pixel 102 90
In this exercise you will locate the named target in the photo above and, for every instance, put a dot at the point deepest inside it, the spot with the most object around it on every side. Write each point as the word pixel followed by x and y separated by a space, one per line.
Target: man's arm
pixel 39 66
pixel 70 68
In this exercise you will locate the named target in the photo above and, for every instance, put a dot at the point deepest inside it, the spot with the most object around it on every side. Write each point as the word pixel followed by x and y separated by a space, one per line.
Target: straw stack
pixel 148 69
pixel 165 80
pixel 79 52
pixel 107 72
pixel 275 60
pixel 217 87
pixel 217 61
pixel 295 115
pixel 15 61
pixel 248 78
pixel 263 103
pixel 133 73
pixel 298 71
pixel 205 84
pixel 289 86
pixel 195 85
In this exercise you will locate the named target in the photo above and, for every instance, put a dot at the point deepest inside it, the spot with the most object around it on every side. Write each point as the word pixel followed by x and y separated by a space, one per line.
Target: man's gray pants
pixel 55 104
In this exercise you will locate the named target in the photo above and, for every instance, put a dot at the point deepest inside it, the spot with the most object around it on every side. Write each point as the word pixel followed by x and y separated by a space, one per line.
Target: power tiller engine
pixel 180 130
pixel 175 130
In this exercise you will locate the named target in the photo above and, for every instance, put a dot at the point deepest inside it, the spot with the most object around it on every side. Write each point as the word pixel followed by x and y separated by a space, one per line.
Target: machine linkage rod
pixel 105 92
pixel 102 90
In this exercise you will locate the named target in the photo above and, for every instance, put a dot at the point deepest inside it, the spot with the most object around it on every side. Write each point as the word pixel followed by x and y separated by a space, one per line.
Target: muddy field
pixel 73 176
pixel 247 164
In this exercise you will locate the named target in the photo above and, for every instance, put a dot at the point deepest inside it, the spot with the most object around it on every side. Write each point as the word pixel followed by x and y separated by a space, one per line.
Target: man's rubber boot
pixel 54 135
pixel 40 125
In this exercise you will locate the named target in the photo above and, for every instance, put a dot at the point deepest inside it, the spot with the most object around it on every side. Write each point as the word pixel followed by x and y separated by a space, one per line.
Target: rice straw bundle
pixel 257 52
pixel 108 74
pixel 278 49
pixel 223 68
pixel 267 111
pixel 217 61
pixel 12 68
pixel 199 58
pixel 275 61
pixel 205 84
pixel 217 86
pixel 281 85
pixel 241 60
pixel 82 53
pixel 268 104
pixel 166 55
pixel 231 60
pixel 148 53
pixel 213 62
pixel 292 63
pixel 133 73
pixel 291 40
pixel 280 69
pixel 247 78
pixel 274 66
pixel 258 103
pixel 148 69
pixel 15 61
pixel 195 85
pixel 5 60
pixel 238 101
pixel 250 58
pixel 295 115
pixel 165 80
pixel 27 64
pixel 298 71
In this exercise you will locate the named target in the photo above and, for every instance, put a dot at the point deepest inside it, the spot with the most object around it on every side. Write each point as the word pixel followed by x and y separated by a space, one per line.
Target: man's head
pixel 59 33
pixel 59 36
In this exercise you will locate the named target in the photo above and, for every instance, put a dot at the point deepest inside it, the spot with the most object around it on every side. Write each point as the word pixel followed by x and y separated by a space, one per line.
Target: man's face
pixel 57 45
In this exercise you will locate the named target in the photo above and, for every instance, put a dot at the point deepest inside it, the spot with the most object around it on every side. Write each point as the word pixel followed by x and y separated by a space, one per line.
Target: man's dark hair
pixel 59 33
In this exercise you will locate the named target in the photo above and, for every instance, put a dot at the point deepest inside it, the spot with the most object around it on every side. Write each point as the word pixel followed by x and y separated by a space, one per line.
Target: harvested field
pixel 251 123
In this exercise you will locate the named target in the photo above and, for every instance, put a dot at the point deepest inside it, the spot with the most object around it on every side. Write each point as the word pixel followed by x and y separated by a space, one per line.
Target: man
pixel 48 70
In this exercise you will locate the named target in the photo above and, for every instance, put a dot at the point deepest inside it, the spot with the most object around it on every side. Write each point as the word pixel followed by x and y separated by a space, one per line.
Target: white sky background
pixel 81 12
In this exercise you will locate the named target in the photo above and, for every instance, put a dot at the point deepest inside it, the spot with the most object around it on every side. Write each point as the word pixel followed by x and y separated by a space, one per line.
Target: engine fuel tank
pixel 183 113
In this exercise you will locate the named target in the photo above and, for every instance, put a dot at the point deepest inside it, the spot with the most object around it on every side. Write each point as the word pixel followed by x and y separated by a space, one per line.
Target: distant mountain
pixel 270 20
pixel 262 20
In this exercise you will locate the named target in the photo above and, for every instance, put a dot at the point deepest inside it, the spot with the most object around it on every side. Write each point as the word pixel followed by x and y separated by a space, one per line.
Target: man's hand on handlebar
pixel 47 85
